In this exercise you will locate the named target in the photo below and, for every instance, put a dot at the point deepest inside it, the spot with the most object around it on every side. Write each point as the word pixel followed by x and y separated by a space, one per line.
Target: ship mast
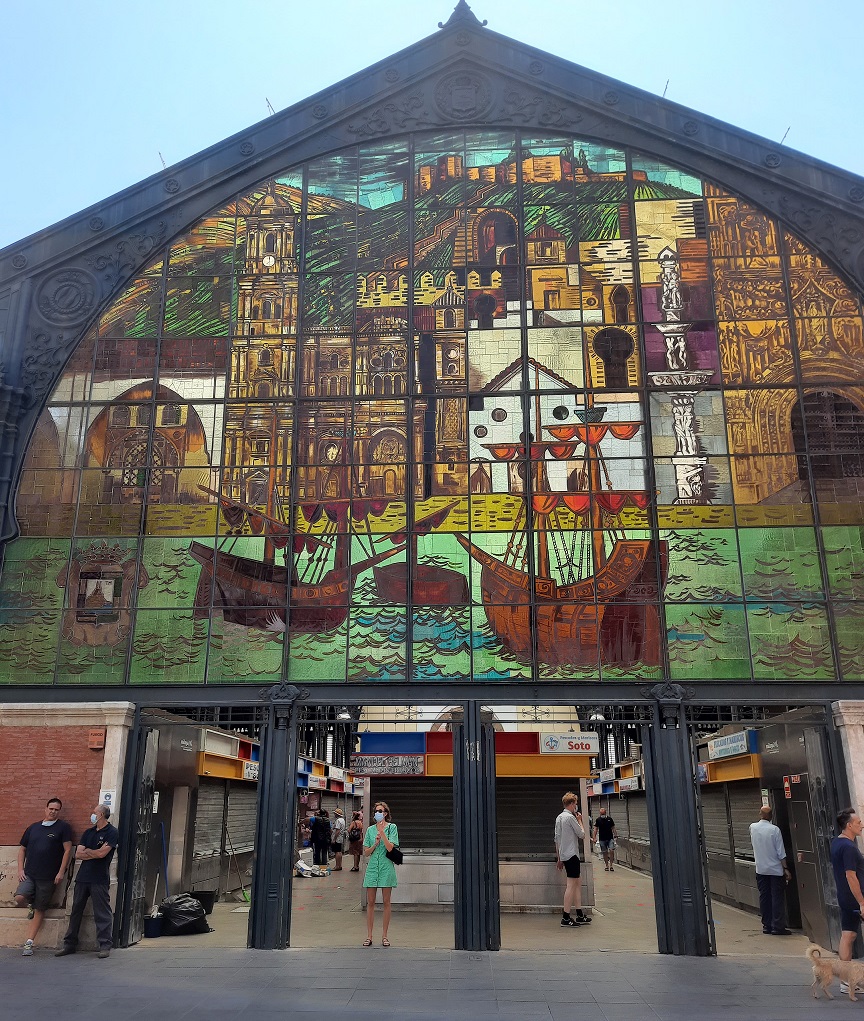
pixel 595 483
pixel 542 566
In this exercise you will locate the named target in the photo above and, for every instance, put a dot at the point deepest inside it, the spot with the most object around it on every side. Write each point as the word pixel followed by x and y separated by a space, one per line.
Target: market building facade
pixel 479 379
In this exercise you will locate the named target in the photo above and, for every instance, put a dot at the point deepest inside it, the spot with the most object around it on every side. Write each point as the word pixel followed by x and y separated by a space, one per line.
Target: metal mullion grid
pixel 300 249
pixel 350 406
pixel 644 396
pixel 526 397
pixel 127 679
pixel 827 601
pixel 410 401
pixel 722 388
pixel 232 332
pixel 473 566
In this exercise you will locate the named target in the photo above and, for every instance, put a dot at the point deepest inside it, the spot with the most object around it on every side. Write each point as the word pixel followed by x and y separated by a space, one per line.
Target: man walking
pixel 772 875
pixel 94 852
pixel 43 857
pixel 568 833
pixel 605 832
pixel 848 863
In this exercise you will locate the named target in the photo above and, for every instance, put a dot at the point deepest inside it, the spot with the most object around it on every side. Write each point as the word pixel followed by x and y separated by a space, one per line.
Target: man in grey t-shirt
pixel 771 873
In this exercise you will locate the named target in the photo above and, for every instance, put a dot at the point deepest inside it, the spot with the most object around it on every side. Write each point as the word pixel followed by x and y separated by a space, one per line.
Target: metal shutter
pixel 208 819
pixel 745 800
pixel 637 817
pixel 242 815
pixel 715 819
pixel 421 807
pixel 527 808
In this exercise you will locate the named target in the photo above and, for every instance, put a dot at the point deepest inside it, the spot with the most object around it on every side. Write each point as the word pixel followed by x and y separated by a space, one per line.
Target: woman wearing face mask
pixel 380 837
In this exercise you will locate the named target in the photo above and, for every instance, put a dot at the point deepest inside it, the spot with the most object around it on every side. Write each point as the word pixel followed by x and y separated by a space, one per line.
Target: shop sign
pixel 729 744
pixel 250 770
pixel 628 783
pixel 702 772
pixel 388 765
pixel 318 782
pixel 787 786
pixel 359 784
pixel 348 788
pixel 336 773
pixel 607 774
pixel 570 744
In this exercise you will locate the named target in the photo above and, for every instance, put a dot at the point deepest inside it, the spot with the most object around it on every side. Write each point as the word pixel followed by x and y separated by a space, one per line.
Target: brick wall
pixel 38 763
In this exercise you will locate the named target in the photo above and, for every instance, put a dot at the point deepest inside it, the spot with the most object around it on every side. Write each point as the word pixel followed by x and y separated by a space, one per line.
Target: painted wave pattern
pixel 778 630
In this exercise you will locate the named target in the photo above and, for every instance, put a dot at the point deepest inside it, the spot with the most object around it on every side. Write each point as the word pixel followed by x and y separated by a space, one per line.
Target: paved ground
pixel 327 914
pixel 354 984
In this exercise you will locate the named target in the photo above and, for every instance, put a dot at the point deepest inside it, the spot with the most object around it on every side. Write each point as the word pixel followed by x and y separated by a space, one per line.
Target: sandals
pixel 385 942
pixel 367 942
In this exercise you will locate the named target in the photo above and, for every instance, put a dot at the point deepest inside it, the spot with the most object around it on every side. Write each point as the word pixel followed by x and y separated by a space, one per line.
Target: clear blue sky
pixel 91 91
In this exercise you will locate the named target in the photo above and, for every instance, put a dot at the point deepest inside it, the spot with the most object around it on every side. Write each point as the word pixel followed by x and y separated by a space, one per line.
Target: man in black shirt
pixel 848 863
pixel 95 853
pixel 605 832
pixel 43 857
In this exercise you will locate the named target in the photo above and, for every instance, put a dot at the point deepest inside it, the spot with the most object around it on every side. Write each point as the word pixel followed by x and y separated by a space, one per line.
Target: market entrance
pixel 191 840
pixel 350 759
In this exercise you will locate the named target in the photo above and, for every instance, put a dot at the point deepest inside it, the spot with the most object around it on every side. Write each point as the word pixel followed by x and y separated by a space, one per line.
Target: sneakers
pixel 582 918
pixel 104 952
pixel 27 949
pixel 64 951
pixel 31 912
pixel 568 920
pixel 844 988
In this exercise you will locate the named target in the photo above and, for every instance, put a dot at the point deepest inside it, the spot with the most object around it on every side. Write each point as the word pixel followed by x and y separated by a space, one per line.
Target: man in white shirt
pixel 568 833
pixel 771 873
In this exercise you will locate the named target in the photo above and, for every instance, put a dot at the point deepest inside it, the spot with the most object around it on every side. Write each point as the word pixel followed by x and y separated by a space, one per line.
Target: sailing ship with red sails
pixel 609 613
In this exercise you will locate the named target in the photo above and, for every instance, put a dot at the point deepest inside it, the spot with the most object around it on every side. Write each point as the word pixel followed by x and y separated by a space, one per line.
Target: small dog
pixel 825 969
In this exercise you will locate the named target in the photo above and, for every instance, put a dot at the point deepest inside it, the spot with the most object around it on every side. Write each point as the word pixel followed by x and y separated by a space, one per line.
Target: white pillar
pixel 849 720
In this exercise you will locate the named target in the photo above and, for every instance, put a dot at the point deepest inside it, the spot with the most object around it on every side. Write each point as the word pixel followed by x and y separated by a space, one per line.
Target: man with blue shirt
pixel 848 863
pixel 95 852
pixel 771 873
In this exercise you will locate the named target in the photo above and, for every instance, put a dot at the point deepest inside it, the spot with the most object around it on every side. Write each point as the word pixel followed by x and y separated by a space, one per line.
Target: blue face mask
pixel 94 818
pixel 379 817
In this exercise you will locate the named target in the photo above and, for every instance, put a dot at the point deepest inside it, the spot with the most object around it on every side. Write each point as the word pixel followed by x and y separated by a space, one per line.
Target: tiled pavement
pixel 377 984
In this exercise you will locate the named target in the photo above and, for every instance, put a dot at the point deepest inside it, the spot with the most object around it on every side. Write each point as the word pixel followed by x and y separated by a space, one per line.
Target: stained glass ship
pixel 273 597
pixel 608 615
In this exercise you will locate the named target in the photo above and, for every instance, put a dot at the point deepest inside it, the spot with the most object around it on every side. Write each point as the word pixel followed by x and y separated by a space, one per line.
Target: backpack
pixel 355 833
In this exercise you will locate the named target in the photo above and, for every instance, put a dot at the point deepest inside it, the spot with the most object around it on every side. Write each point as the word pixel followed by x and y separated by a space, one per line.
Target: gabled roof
pixel 515 368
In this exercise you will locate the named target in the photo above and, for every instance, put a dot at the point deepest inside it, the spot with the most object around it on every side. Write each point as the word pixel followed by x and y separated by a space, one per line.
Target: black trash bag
pixel 183 915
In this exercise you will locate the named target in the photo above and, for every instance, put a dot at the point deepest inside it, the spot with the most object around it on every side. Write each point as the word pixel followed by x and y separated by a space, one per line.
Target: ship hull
pixel 610 618
pixel 430 586
pixel 256 595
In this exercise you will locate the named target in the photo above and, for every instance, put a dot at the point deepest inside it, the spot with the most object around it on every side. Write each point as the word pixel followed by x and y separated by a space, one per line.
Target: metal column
pixel 476 898
pixel 677 864
pixel 270 917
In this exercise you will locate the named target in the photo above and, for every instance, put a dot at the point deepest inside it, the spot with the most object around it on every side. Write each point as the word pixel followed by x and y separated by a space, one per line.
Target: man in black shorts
pixel 43 857
pixel 568 833
pixel 848 865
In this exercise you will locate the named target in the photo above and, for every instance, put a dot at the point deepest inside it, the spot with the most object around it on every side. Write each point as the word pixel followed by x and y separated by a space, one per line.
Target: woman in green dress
pixel 380 873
